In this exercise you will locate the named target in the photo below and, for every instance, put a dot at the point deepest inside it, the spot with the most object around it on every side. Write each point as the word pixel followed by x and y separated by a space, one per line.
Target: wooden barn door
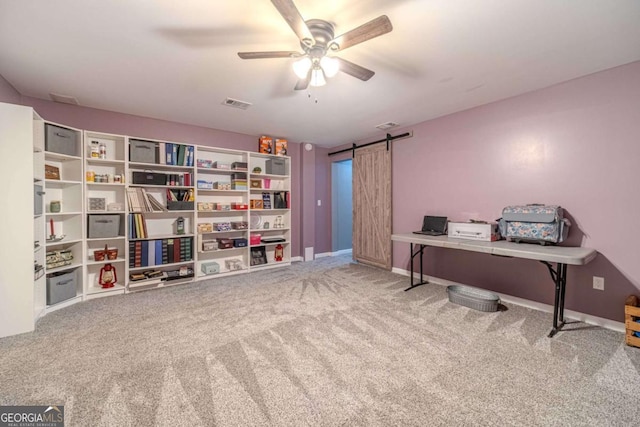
pixel 372 206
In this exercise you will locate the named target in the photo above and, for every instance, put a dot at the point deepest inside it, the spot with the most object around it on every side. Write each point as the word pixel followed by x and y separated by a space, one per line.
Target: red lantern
pixel 279 252
pixel 108 276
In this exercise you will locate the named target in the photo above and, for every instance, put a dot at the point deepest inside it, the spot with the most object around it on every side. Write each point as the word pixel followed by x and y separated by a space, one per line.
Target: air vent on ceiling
pixel 235 103
pixel 64 99
pixel 388 125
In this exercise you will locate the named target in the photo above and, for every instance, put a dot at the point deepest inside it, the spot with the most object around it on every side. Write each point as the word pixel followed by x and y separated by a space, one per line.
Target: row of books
pixel 141 201
pixel 176 154
pixel 147 253
pixel 137 226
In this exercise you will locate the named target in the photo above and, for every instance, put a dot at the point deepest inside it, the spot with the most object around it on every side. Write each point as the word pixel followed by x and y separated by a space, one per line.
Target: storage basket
pixel 477 299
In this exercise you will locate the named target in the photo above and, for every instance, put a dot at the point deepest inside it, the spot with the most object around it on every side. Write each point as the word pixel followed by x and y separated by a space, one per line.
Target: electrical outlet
pixel 598 283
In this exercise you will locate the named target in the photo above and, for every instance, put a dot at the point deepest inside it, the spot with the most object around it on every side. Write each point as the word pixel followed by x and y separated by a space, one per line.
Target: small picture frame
pixel 96 204
pixel 51 172
pixel 258 255
pixel 256 183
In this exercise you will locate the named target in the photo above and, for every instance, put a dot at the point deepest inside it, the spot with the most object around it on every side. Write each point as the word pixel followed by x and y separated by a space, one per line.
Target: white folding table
pixel 560 255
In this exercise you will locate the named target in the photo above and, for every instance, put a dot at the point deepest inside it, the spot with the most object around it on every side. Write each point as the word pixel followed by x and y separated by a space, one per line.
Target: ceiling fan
pixel 317 40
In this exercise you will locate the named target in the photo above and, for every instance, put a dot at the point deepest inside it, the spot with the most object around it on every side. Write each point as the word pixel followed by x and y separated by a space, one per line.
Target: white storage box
pixel 487 232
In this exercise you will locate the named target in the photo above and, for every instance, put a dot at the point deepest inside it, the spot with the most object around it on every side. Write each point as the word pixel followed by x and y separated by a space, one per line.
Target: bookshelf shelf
pixel 94 161
pixel 160 266
pixel 157 166
pixel 50 155
pixel 162 237
pixel 106 261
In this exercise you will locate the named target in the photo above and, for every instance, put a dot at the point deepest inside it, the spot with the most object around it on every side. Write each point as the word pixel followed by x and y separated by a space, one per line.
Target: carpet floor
pixel 324 343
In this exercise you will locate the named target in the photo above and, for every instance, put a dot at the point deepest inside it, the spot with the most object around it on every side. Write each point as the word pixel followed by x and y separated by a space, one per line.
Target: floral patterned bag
pixel 534 223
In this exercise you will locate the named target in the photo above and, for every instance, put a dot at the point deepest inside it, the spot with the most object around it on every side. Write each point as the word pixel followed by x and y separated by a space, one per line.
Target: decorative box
pixel 233 264
pixel 221 165
pixel 204 163
pixel 149 178
pixel 205 185
pixel 205 228
pixel 210 267
pixel 222 226
pixel 97 204
pixel 281 147
pixel 256 204
pixel 205 206
pixel 225 243
pixel 239 184
pixel 222 185
pixel 256 183
pixel 239 206
pixel 51 172
pixel 265 145
pixel 209 245
pixel 239 165
pixel 222 206
pixel 239 243
pixel 255 239
pixel 239 225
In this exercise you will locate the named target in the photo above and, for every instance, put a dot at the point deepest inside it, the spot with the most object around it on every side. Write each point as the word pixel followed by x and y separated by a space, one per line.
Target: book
pixel 162 157
pixel 132 252
pixel 181 153
pixel 158 258
pixel 168 153
pixel 151 260
pixel 176 250
pixel 144 259
pixel 138 254
pixel 170 251
pixel 165 255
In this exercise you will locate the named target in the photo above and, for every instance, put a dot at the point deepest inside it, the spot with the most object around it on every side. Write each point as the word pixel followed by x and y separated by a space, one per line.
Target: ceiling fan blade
pixel 303 83
pixel 273 54
pixel 374 28
pixel 290 13
pixel 354 70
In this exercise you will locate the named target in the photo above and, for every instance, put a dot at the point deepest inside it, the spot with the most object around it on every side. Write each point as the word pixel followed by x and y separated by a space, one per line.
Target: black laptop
pixel 433 226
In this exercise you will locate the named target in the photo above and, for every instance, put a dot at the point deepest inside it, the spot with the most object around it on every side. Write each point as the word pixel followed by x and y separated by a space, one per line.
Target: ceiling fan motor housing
pixel 323 33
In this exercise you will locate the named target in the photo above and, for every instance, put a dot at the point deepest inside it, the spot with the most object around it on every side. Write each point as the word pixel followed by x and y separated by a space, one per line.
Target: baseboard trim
pixel 569 314
pixel 297 259
pixel 336 253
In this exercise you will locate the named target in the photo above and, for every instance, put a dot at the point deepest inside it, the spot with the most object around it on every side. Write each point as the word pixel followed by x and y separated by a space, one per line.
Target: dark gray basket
pixel 478 299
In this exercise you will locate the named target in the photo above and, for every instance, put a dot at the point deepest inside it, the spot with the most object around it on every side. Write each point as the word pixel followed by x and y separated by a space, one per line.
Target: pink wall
pixel 576 144
pixel 8 93
pixel 323 193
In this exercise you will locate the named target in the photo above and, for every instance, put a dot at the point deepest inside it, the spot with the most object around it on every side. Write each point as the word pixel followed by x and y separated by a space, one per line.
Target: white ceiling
pixel 176 60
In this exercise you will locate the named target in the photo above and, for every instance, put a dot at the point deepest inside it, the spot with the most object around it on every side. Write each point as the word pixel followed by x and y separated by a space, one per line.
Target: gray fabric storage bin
pixel 275 167
pixel 61 140
pixel 61 287
pixel 143 151
pixel 103 225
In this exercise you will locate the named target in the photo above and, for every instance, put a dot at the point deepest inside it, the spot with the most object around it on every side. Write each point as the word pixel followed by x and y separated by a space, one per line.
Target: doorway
pixel 341 206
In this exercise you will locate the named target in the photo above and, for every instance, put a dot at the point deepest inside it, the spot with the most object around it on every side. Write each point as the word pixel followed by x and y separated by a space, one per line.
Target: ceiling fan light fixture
pixel 330 65
pixel 317 77
pixel 302 67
